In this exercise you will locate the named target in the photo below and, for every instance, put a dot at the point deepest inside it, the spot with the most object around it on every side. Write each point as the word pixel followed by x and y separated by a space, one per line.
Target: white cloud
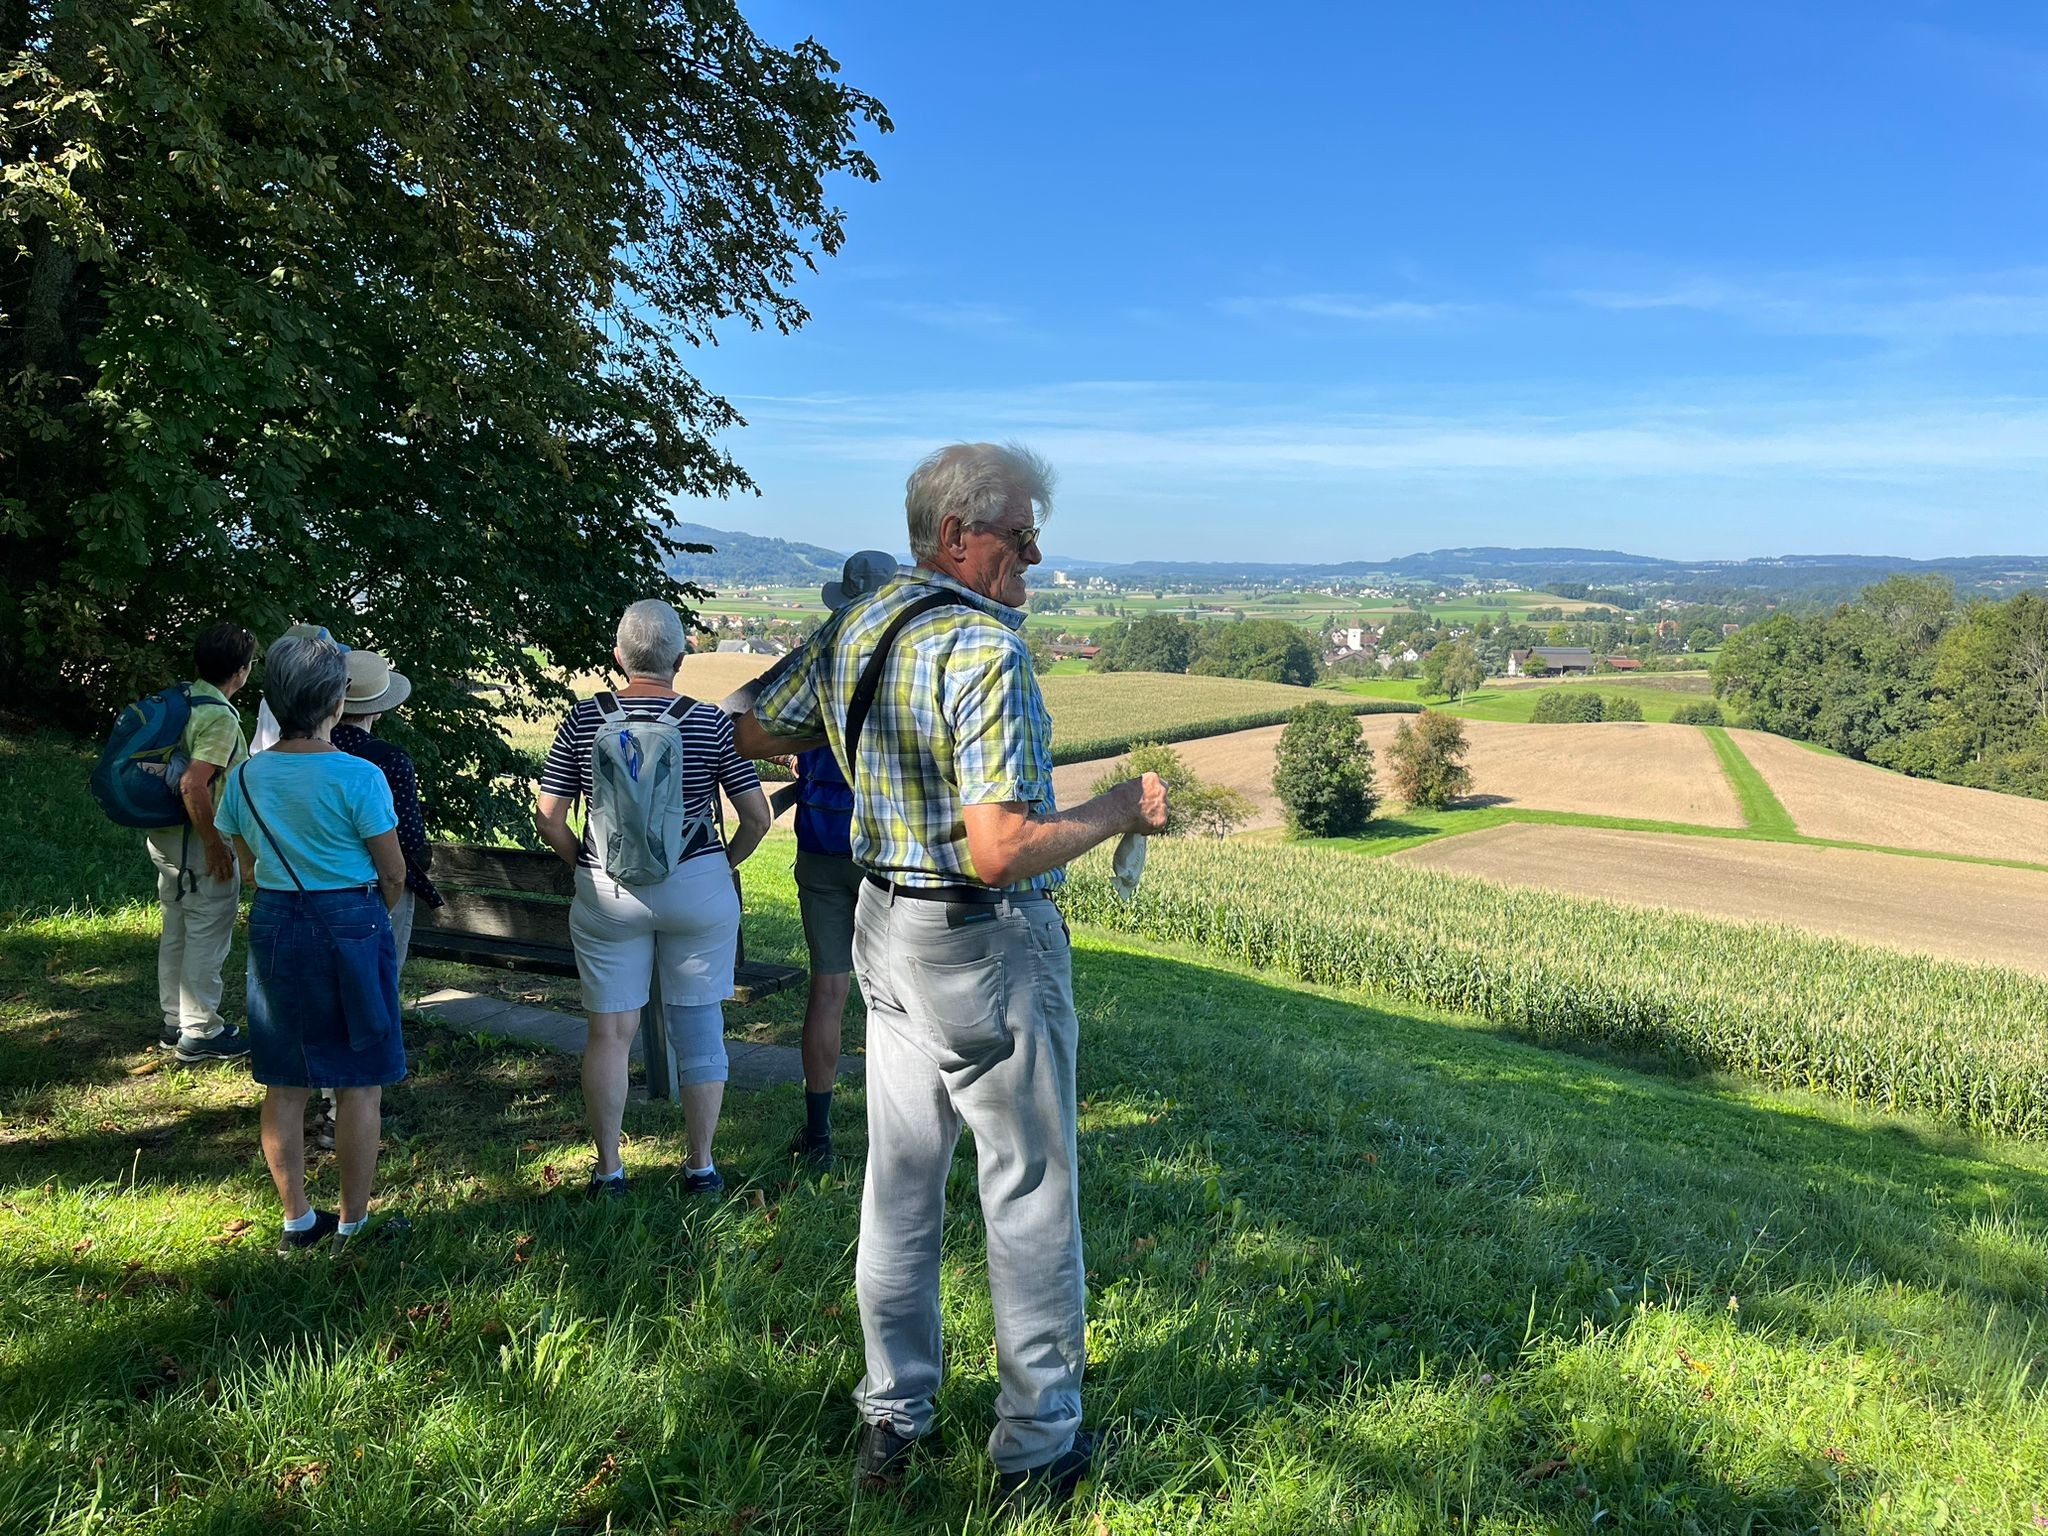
pixel 1338 306
pixel 1892 306
pixel 953 314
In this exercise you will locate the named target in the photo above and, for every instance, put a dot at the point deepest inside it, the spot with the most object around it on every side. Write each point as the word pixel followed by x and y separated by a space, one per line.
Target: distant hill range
pixel 746 559
pixel 749 560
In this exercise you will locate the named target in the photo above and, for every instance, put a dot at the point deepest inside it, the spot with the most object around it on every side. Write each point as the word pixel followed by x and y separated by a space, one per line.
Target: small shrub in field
pixel 1621 707
pixel 1427 759
pixel 1193 807
pixel 1323 772
pixel 1568 706
pixel 1707 713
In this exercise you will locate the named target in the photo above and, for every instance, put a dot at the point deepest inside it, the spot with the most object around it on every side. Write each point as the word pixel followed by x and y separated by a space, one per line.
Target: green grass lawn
pixel 1516 701
pixel 1354 1266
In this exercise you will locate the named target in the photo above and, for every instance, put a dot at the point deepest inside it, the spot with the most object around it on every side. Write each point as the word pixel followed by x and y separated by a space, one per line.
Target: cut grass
pixel 1104 713
pixel 1761 809
pixel 1354 1265
pixel 1516 702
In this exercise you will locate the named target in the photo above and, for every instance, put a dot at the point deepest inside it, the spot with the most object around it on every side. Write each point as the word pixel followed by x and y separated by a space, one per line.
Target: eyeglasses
pixel 1023 538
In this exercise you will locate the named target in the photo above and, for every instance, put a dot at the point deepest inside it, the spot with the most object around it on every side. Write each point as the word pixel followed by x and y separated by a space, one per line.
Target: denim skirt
pixel 323 990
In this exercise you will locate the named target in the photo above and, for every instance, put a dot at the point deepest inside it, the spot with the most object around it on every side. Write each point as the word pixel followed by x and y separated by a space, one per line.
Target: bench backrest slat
pixel 461 866
pixel 531 920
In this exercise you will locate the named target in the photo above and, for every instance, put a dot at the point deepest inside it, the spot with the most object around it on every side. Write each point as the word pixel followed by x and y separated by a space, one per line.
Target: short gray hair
pixel 974 482
pixel 304 678
pixel 651 637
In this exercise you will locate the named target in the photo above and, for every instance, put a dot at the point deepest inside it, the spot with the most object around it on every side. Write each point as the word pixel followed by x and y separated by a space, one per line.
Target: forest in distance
pixel 1907 677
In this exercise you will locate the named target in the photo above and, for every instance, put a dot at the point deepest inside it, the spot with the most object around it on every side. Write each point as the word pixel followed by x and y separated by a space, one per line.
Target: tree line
pixel 1908 678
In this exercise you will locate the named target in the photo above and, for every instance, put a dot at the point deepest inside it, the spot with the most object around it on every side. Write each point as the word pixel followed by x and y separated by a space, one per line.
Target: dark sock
pixel 818 1114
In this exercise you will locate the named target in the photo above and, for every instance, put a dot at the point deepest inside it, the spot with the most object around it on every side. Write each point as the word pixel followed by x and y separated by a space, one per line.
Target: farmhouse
pixel 1550 660
pixel 1624 664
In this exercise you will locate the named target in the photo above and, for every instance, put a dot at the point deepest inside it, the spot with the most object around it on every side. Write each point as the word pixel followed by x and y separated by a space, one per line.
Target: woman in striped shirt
pixel 687 924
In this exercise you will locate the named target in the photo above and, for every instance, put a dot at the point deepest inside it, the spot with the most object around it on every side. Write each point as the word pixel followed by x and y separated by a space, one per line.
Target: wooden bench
pixel 509 909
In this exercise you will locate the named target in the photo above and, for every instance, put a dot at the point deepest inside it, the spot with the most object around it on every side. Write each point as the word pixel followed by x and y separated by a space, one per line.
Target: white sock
pixel 350 1228
pixel 301 1223
pixel 612 1177
pixel 700 1172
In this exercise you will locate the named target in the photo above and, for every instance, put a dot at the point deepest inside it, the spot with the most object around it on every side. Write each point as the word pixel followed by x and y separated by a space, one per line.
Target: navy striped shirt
pixel 710 761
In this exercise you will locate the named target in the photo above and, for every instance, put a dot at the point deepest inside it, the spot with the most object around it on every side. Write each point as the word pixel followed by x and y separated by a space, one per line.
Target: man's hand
pixel 1146 795
pixel 220 859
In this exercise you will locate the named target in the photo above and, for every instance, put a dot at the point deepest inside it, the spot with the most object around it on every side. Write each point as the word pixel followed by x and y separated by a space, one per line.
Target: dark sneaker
pixel 322 1133
pixel 882 1456
pixel 712 1183
pixel 229 1045
pixel 168 1040
pixel 1055 1482
pixel 324 1223
pixel 814 1152
pixel 383 1230
pixel 606 1189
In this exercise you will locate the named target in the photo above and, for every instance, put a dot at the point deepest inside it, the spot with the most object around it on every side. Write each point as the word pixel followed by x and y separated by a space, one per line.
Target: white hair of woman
pixel 974 482
pixel 651 637
pixel 304 679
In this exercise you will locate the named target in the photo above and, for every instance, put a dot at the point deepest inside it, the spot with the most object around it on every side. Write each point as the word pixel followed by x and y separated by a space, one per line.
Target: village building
pixel 1550 661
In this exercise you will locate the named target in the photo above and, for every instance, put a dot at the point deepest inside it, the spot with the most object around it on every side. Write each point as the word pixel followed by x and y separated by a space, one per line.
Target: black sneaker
pixel 387 1229
pixel 601 1188
pixel 814 1152
pixel 1054 1482
pixel 168 1040
pixel 882 1456
pixel 324 1223
pixel 229 1045
pixel 322 1133
pixel 712 1183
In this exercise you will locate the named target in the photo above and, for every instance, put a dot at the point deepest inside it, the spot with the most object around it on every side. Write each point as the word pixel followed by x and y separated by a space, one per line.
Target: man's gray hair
pixel 651 637
pixel 304 678
pixel 973 481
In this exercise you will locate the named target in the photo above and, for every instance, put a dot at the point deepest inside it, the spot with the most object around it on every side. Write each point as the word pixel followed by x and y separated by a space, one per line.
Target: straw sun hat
pixel 372 686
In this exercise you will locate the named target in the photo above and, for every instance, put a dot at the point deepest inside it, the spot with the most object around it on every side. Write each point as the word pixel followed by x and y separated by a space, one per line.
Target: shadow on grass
pixel 1299 1208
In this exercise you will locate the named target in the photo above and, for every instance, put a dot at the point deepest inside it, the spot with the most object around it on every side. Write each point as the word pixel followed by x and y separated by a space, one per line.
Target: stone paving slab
pixel 752 1064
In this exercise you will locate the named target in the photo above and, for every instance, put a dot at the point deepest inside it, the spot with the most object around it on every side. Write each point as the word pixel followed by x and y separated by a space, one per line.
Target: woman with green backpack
pixel 654 881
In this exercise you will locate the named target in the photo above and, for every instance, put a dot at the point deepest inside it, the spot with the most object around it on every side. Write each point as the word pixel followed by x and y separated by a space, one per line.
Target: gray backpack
pixel 637 828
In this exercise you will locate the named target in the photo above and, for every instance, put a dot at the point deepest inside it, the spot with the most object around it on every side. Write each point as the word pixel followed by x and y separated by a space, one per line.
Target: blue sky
pixel 1342 282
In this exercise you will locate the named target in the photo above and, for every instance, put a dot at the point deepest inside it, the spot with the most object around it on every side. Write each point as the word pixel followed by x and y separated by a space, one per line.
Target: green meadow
pixel 1356 1263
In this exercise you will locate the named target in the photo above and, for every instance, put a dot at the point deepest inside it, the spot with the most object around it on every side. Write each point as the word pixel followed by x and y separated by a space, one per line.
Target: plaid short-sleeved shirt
pixel 958 721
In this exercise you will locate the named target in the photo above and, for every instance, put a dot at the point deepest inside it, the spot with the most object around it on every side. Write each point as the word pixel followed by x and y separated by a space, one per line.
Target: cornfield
pixel 1103 713
pixel 1965 1044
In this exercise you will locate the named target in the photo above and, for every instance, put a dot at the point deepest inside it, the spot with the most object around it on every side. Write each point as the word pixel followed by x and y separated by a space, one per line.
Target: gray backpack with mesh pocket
pixel 637 829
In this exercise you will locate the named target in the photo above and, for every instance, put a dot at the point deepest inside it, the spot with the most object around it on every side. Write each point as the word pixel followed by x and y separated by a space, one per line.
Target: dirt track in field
pixel 1970 912
pixel 1651 772
pixel 1853 802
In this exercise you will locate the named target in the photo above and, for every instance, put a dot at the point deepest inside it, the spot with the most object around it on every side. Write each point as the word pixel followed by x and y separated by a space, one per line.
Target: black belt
pixel 952 895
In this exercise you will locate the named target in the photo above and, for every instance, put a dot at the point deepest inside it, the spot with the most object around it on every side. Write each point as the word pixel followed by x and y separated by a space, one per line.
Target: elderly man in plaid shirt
pixel 961 955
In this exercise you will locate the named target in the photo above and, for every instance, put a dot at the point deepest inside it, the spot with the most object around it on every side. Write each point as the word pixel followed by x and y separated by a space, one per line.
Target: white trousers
pixel 199 925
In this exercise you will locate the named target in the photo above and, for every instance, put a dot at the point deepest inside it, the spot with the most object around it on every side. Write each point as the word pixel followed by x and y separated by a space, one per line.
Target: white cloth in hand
pixel 1127 864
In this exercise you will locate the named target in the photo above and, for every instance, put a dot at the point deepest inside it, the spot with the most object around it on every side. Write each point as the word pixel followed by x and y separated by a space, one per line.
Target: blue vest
pixel 824 809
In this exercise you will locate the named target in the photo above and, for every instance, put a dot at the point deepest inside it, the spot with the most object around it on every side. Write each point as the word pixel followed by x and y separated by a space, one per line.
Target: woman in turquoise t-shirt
pixel 317 830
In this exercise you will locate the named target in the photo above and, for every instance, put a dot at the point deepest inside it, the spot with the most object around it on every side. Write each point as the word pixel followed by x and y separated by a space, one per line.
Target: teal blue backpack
pixel 145 737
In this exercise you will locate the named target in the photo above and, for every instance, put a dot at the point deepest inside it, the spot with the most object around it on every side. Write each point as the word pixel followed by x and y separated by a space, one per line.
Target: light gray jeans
pixel 199 927
pixel 971 1022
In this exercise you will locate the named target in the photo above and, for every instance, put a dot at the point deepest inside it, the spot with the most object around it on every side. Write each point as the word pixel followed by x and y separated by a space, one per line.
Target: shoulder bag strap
pixel 870 682
pixel 275 846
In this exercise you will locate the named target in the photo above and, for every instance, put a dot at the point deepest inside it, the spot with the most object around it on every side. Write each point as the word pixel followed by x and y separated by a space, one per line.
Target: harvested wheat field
pixel 1650 772
pixel 1972 912
pixel 1853 802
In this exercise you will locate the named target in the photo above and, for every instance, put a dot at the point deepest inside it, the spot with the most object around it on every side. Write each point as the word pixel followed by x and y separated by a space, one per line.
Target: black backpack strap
pixel 678 707
pixel 275 846
pixel 870 682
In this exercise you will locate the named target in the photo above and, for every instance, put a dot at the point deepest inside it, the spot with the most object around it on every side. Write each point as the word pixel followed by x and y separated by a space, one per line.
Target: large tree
pixel 376 314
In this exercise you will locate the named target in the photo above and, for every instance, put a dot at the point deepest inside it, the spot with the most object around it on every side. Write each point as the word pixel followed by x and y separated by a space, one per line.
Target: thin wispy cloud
pixel 965 315
pixel 1892 307
pixel 1338 306
pixel 1187 433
